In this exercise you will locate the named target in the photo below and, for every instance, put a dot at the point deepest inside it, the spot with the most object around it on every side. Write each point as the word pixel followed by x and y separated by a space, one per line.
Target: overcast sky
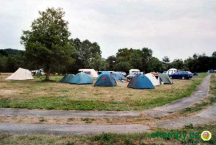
pixel 173 28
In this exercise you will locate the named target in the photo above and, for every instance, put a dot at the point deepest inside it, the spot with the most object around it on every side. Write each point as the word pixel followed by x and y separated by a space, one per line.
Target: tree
pixel 47 42
pixel 136 59
pixel 84 52
pixel 155 65
pixel 110 62
pixel 98 63
pixel 123 54
pixel 177 63
pixel 123 66
pixel 166 59
pixel 214 54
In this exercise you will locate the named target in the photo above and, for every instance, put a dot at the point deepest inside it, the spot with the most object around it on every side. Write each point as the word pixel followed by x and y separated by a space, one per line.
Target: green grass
pixel 110 138
pixel 37 94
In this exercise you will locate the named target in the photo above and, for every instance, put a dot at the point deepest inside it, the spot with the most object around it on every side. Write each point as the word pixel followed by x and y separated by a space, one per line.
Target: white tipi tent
pixel 153 79
pixel 20 74
pixel 91 72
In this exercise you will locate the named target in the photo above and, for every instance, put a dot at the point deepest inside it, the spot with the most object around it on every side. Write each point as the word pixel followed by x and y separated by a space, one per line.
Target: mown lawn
pixel 38 94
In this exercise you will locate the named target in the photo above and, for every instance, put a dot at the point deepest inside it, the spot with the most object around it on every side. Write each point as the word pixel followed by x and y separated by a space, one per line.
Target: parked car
pixel 181 75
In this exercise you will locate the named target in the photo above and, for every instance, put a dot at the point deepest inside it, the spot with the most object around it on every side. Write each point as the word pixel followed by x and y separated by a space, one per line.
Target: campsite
pixel 107 72
pixel 33 94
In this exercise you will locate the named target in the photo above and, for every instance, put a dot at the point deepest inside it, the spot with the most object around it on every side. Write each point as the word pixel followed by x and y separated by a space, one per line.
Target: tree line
pixel 48 46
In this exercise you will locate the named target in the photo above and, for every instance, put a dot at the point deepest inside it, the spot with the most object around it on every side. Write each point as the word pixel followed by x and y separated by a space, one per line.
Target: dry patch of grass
pixel 38 94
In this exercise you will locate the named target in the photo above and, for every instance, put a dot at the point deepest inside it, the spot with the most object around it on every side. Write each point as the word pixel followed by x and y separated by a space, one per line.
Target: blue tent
pixel 38 73
pixel 105 80
pixel 210 71
pixel 140 82
pixel 67 78
pixel 82 78
pixel 121 76
pixel 195 74
pixel 105 72
pixel 118 76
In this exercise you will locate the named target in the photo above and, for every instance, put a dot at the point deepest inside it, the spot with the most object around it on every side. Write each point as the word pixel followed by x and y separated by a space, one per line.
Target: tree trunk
pixel 48 74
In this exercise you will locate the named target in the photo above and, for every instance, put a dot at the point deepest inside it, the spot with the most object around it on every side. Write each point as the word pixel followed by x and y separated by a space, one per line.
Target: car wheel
pixel 170 77
pixel 183 78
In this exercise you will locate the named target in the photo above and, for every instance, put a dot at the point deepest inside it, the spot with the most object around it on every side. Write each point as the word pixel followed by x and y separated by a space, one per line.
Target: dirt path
pixel 180 104
pixel 206 116
pixel 58 113
pixel 71 129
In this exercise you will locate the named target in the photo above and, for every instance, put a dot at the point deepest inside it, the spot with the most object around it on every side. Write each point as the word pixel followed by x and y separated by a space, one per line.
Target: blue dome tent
pixel 105 80
pixel 140 82
pixel 67 78
pixel 118 76
pixel 82 78
pixel 195 74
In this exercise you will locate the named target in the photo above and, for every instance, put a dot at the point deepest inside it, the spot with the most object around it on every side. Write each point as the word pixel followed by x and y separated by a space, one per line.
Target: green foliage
pixel 123 66
pixel 87 55
pixel 47 42
pixel 110 61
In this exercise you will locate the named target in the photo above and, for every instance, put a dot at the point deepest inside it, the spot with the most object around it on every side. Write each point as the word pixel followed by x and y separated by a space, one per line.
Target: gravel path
pixel 180 104
pixel 206 116
pixel 58 113
pixel 71 129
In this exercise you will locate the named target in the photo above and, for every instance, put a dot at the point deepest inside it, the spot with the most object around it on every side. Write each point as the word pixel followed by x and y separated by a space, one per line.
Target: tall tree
pixel 214 54
pixel 111 60
pixel 166 59
pixel 47 42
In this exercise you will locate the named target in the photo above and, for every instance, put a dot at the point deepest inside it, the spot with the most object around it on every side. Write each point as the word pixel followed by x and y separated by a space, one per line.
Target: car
pixel 181 75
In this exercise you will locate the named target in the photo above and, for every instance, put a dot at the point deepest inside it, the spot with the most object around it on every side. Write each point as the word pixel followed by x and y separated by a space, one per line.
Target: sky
pixel 173 28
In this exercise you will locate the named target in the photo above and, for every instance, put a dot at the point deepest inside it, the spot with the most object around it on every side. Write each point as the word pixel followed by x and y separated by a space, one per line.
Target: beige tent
pixel 91 72
pixel 20 74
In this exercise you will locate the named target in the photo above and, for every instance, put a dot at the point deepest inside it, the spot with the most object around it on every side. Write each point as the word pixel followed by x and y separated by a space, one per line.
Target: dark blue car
pixel 181 75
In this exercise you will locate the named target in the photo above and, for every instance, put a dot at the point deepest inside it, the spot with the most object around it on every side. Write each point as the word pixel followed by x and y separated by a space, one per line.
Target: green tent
pixel 165 79
pixel 67 78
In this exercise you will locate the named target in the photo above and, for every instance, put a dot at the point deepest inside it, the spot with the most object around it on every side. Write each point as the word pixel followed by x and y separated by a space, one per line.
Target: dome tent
pixel 165 79
pixel 195 74
pixel 153 79
pixel 20 74
pixel 118 76
pixel 67 78
pixel 140 82
pixel 105 80
pixel 82 78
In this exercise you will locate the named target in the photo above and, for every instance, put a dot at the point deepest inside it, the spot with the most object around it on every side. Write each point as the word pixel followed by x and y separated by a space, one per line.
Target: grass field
pixel 38 94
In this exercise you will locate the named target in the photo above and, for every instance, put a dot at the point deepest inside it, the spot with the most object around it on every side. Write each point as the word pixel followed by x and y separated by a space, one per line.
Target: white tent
pixel 92 72
pixel 153 79
pixel 20 74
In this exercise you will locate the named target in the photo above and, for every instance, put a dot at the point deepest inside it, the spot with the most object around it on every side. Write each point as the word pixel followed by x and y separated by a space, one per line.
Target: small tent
pixel 195 74
pixel 82 78
pixel 121 76
pixel 67 78
pixel 140 82
pixel 153 79
pixel 118 76
pixel 105 80
pixel 210 71
pixel 38 73
pixel 165 78
pixel 91 72
pixel 20 74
